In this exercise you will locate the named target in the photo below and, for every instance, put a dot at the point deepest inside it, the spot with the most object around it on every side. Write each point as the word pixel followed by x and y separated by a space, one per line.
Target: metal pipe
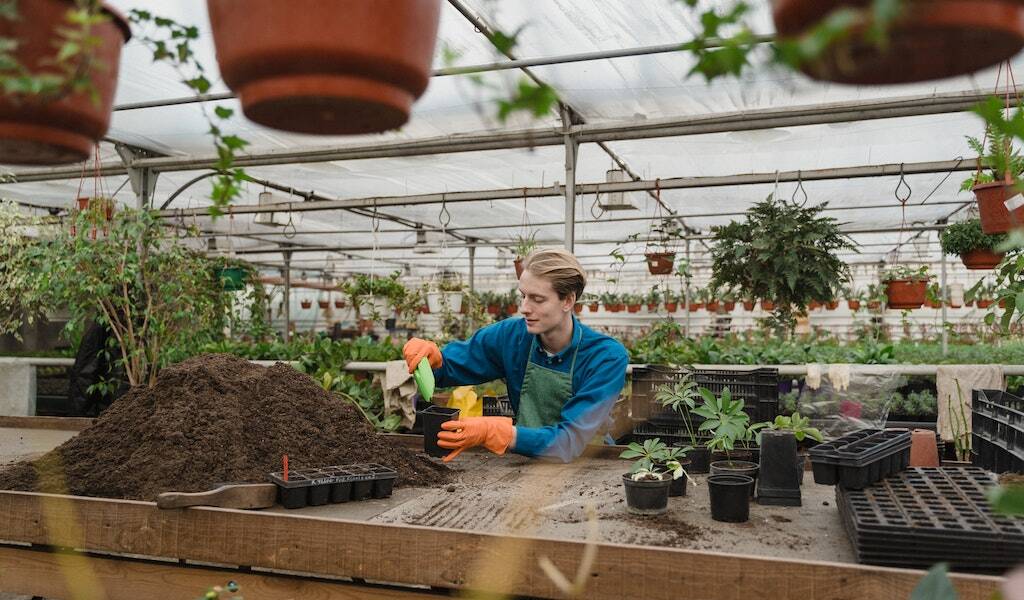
pixel 571 148
pixel 794 116
pixel 287 296
pixel 943 297
pixel 472 269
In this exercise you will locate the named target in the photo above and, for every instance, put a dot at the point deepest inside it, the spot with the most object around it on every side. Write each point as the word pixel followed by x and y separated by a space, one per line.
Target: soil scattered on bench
pixel 214 419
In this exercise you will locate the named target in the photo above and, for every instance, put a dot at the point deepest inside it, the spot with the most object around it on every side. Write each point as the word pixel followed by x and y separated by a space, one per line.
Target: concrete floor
pixel 513 494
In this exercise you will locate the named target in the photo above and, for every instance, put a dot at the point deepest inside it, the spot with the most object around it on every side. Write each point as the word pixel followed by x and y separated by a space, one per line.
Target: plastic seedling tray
pixel 825 461
pixel 315 487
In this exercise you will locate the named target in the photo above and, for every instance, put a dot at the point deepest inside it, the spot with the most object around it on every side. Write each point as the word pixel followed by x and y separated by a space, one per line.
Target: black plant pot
pixel 781 470
pixel 646 497
pixel 700 460
pixel 730 497
pixel 736 467
pixel 432 417
pixel 678 486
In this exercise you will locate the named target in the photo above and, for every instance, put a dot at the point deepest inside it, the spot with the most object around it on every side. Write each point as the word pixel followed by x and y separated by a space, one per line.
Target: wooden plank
pixel 49 575
pixel 415 555
pixel 61 423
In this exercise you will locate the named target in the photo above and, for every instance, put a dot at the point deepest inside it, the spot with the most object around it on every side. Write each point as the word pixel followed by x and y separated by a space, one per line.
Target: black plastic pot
pixel 730 497
pixel 678 486
pixel 700 460
pixel 781 470
pixel 317 486
pixel 646 497
pixel 432 417
pixel 736 467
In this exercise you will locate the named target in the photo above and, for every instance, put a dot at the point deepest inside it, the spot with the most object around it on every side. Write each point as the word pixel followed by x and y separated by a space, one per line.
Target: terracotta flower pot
pixel 617 307
pixel 337 68
pixel 577 308
pixel 926 42
pixel 832 305
pixel 767 305
pixel 712 306
pixel 633 308
pixel 748 306
pixel 982 258
pixel 729 306
pixel 853 304
pixel 695 306
pixel 994 216
pixel 306 303
pixel 593 306
pixel 905 294
pixel 323 303
pixel 519 267
pixel 652 307
pixel 671 307
pixel 1002 303
pixel 814 305
pixel 923 449
pixel 425 310
pixel 511 309
pixel 874 305
pixel 660 263
pixel 933 303
pixel 36 130
pixel 493 309
pixel 339 304
pixel 984 303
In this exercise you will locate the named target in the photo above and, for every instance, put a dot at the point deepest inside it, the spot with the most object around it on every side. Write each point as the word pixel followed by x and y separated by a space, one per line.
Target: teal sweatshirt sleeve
pixel 596 387
pixel 473 361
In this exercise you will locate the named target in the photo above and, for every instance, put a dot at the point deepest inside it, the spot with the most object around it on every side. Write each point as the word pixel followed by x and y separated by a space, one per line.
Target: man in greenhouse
pixel 562 376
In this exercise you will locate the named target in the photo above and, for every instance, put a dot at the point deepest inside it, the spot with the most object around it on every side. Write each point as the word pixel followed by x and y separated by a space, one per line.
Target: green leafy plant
pixel 782 252
pixel 654 459
pixel 967 236
pixel 854 294
pixel 799 425
pixel 525 245
pixel 904 272
pixel 681 396
pixel 725 419
pixel 1001 160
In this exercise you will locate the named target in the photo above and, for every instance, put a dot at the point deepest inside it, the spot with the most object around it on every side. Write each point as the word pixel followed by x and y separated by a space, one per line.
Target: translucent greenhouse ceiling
pixel 618 91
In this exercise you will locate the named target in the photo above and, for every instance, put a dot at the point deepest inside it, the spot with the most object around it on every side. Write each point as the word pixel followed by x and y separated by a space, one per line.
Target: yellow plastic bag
pixel 464 398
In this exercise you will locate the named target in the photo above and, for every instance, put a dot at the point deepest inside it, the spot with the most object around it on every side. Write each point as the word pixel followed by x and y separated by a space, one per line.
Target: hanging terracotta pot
pixel 577 308
pixel 931 39
pixel 671 307
pixel 339 304
pixel 983 303
pixel 981 259
pixel 333 68
pixel 39 130
pixel 854 305
pixel 695 306
pixel 593 306
pixel 519 267
pixel 905 294
pixel 660 263
pixel 306 303
pixel 995 218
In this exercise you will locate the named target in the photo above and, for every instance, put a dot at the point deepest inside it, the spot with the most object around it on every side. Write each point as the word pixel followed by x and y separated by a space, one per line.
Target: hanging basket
pixel 38 131
pixel 995 218
pixel 437 300
pixel 660 263
pixel 931 39
pixel 306 303
pixel 519 267
pixel 331 68
pixel 982 259
pixel 903 294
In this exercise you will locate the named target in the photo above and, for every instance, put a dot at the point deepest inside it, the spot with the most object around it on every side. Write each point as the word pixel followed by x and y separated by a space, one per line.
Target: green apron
pixel 545 391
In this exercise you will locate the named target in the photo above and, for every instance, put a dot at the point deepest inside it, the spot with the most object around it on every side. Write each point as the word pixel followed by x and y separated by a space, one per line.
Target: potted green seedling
pixel 854 298
pixel 731 434
pixel 632 302
pixel 876 296
pixel 906 288
pixel 660 258
pixel 524 246
pixel 974 247
pixel 682 397
pixel 781 467
pixel 992 187
pixel 671 301
pixel 933 295
pixel 650 478
pixel 653 299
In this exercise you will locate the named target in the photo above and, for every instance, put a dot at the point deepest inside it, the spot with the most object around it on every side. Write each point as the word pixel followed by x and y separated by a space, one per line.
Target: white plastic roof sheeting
pixel 602 91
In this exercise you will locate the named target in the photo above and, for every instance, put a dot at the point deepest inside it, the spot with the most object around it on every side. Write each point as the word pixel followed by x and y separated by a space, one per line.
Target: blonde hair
pixel 560 267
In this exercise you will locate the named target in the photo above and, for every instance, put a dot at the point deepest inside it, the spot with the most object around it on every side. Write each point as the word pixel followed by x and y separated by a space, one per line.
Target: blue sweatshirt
pixel 499 351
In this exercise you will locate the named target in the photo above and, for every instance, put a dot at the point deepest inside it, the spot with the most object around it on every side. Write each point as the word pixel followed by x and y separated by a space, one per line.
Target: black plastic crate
pixel 498 406
pixel 997 424
pixel 758 388
pixel 317 486
pixel 936 512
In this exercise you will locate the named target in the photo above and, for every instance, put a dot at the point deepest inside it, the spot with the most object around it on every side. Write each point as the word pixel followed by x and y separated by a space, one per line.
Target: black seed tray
pixel 825 460
pixel 872 458
pixel 997 423
pixel 314 487
pixel 927 515
pixel 758 388
pixel 498 406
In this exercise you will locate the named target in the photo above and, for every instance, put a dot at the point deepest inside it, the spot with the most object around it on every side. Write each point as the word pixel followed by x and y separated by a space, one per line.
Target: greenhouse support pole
pixel 944 296
pixel 472 268
pixel 686 294
pixel 571 148
pixel 287 274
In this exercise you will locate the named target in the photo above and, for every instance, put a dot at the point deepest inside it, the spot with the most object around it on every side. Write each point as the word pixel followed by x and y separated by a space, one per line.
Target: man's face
pixel 540 306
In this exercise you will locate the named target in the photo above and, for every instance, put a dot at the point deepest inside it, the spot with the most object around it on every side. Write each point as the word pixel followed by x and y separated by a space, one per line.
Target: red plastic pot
pixel 617 307
pixel 905 294
pixel 633 308
pixel 983 303
pixel 652 307
pixel 982 258
pixel 511 309
pixel 994 216
pixel 671 307
pixel 519 267
pixel 323 303
pixel 577 308
pixel 493 309
pixel 592 307
pixel 748 306
pixel 767 305
pixel 660 263
pixel 832 305
pixel 339 304
pixel 712 306
pixel 306 303
pixel 37 130
pixel 729 306
pixel 932 39
pixel 695 306
pixel 337 68
pixel 853 304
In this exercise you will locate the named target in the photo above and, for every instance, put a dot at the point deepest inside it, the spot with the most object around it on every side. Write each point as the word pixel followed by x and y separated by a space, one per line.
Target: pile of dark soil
pixel 214 419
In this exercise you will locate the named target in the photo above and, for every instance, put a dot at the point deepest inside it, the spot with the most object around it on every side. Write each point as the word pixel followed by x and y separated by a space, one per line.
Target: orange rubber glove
pixel 494 433
pixel 416 350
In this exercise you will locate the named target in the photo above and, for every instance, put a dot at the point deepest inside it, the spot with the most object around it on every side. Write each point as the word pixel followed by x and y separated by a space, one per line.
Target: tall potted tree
pixel 969 241
pixel 782 252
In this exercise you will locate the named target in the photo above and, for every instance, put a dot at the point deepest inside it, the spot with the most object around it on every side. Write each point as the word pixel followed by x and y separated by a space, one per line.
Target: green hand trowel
pixel 424 377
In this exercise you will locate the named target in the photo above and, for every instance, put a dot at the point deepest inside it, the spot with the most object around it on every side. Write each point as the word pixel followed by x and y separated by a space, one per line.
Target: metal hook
pixel 902 183
pixel 444 217
pixel 600 211
pixel 799 188
pixel 291 224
